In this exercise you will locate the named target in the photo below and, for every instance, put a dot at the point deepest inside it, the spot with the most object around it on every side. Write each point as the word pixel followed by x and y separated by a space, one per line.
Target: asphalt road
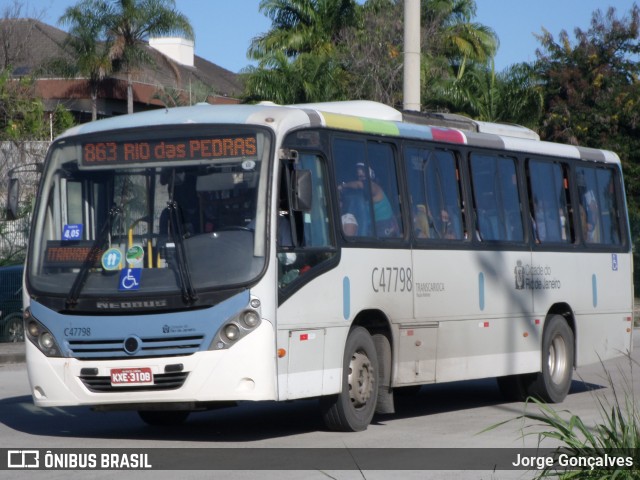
pixel 444 421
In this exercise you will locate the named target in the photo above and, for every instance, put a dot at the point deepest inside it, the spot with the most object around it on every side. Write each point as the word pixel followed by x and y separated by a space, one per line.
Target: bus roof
pixel 360 116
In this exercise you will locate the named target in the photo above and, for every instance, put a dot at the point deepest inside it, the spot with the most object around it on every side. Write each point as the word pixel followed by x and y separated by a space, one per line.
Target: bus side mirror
pixel 13 198
pixel 301 189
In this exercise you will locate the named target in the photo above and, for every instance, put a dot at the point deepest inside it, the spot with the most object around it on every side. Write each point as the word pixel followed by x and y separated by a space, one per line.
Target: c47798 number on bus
pixel 391 279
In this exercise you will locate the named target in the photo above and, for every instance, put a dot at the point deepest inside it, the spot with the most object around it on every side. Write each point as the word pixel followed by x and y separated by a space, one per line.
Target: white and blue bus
pixel 184 259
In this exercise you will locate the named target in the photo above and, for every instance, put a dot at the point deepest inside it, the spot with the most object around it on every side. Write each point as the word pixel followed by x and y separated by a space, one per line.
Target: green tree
pixel 297 60
pixel 89 52
pixel 592 94
pixel 511 96
pixel 22 114
pixel 371 52
pixel 127 26
pixel 302 26
pixel 457 38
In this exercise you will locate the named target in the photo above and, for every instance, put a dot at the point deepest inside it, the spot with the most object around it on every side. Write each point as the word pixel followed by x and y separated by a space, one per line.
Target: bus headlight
pixel 40 336
pixel 46 341
pixel 232 332
pixel 250 319
pixel 237 327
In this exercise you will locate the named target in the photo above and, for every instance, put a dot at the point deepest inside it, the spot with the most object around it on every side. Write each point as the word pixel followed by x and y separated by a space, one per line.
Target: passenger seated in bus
pixel 448 229
pixel 386 224
pixel 421 221
pixel 589 212
pixel 349 224
pixel 349 220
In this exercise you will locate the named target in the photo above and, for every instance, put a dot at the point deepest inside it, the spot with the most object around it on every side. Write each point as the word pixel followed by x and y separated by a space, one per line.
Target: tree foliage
pixel 514 95
pixel 125 26
pixel 297 57
pixel 592 94
pixel 359 48
pixel 90 52
pixel 22 113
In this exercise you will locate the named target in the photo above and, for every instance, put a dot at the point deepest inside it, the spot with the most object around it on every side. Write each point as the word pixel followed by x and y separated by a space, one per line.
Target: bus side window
pixel 368 187
pixel 354 202
pixel 385 193
pixel 598 206
pixel 435 194
pixel 549 202
pixel 305 239
pixel 496 198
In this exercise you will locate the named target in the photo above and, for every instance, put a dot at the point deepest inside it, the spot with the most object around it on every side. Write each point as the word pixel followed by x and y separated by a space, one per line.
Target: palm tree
pixel 90 55
pixel 302 26
pixel 513 95
pixel 297 56
pixel 458 38
pixel 128 26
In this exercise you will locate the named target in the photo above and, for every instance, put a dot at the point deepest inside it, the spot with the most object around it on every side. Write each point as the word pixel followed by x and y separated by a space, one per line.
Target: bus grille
pixel 148 347
pixel 163 381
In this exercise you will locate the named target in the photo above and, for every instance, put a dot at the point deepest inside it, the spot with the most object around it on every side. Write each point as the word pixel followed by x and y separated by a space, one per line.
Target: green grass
pixel 617 434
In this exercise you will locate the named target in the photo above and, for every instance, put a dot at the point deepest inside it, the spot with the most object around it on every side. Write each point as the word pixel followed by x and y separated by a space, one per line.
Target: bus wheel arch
pixel 352 409
pixel 552 383
pixel 379 327
pixel 541 384
pixel 566 311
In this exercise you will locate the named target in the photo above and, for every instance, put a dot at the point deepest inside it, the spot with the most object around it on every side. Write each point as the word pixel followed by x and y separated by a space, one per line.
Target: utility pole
pixel 411 82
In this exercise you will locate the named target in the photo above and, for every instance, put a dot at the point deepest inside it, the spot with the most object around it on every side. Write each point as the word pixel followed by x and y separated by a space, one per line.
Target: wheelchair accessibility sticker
pixel 130 279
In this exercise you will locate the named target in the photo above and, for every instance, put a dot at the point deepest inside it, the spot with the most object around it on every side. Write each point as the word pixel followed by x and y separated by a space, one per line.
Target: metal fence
pixel 15 157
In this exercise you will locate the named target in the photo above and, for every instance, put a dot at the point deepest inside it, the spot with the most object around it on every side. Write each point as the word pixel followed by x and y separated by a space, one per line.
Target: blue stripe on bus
pixel 346 298
pixel 481 290
pixel 594 289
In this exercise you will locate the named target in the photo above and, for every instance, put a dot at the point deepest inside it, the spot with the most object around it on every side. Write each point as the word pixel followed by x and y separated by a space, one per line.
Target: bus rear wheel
pixel 353 408
pixel 553 382
pixel 163 418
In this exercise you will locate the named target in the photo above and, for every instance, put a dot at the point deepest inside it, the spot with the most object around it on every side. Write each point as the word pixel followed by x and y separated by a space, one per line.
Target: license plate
pixel 127 377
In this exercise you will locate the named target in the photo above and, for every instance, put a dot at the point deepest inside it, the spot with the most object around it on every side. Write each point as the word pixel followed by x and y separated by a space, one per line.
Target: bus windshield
pixel 149 214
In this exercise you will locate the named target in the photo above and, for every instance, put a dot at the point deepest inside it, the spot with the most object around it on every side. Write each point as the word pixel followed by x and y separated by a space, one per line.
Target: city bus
pixel 192 258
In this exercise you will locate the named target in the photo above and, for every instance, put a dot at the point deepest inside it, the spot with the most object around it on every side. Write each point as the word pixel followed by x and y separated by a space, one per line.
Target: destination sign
pixel 123 152
pixel 70 254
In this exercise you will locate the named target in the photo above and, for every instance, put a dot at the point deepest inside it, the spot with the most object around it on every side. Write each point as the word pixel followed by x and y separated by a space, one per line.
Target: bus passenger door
pixel 307 290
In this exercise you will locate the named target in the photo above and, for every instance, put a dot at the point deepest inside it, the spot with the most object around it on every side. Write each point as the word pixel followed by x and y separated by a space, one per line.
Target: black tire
pixel 352 409
pixel 163 418
pixel 13 328
pixel 552 384
pixel 384 403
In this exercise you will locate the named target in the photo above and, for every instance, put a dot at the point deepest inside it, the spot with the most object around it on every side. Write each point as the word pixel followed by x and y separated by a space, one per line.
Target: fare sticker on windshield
pixel 72 232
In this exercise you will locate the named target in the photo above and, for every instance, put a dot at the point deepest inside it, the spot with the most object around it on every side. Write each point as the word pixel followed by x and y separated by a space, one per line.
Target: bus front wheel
pixel 553 382
pixel 352 409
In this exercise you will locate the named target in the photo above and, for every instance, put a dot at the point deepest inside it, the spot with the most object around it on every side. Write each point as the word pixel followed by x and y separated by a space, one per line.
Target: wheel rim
pixel 361 379
pixel 557 359
pixel 16 333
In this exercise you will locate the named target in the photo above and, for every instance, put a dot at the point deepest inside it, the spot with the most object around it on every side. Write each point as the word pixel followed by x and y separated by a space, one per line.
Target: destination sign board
pixel 148 151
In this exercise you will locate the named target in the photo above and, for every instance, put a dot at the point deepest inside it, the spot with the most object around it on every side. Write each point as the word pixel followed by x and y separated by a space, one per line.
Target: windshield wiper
pixel 81 278
pixel 189 293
